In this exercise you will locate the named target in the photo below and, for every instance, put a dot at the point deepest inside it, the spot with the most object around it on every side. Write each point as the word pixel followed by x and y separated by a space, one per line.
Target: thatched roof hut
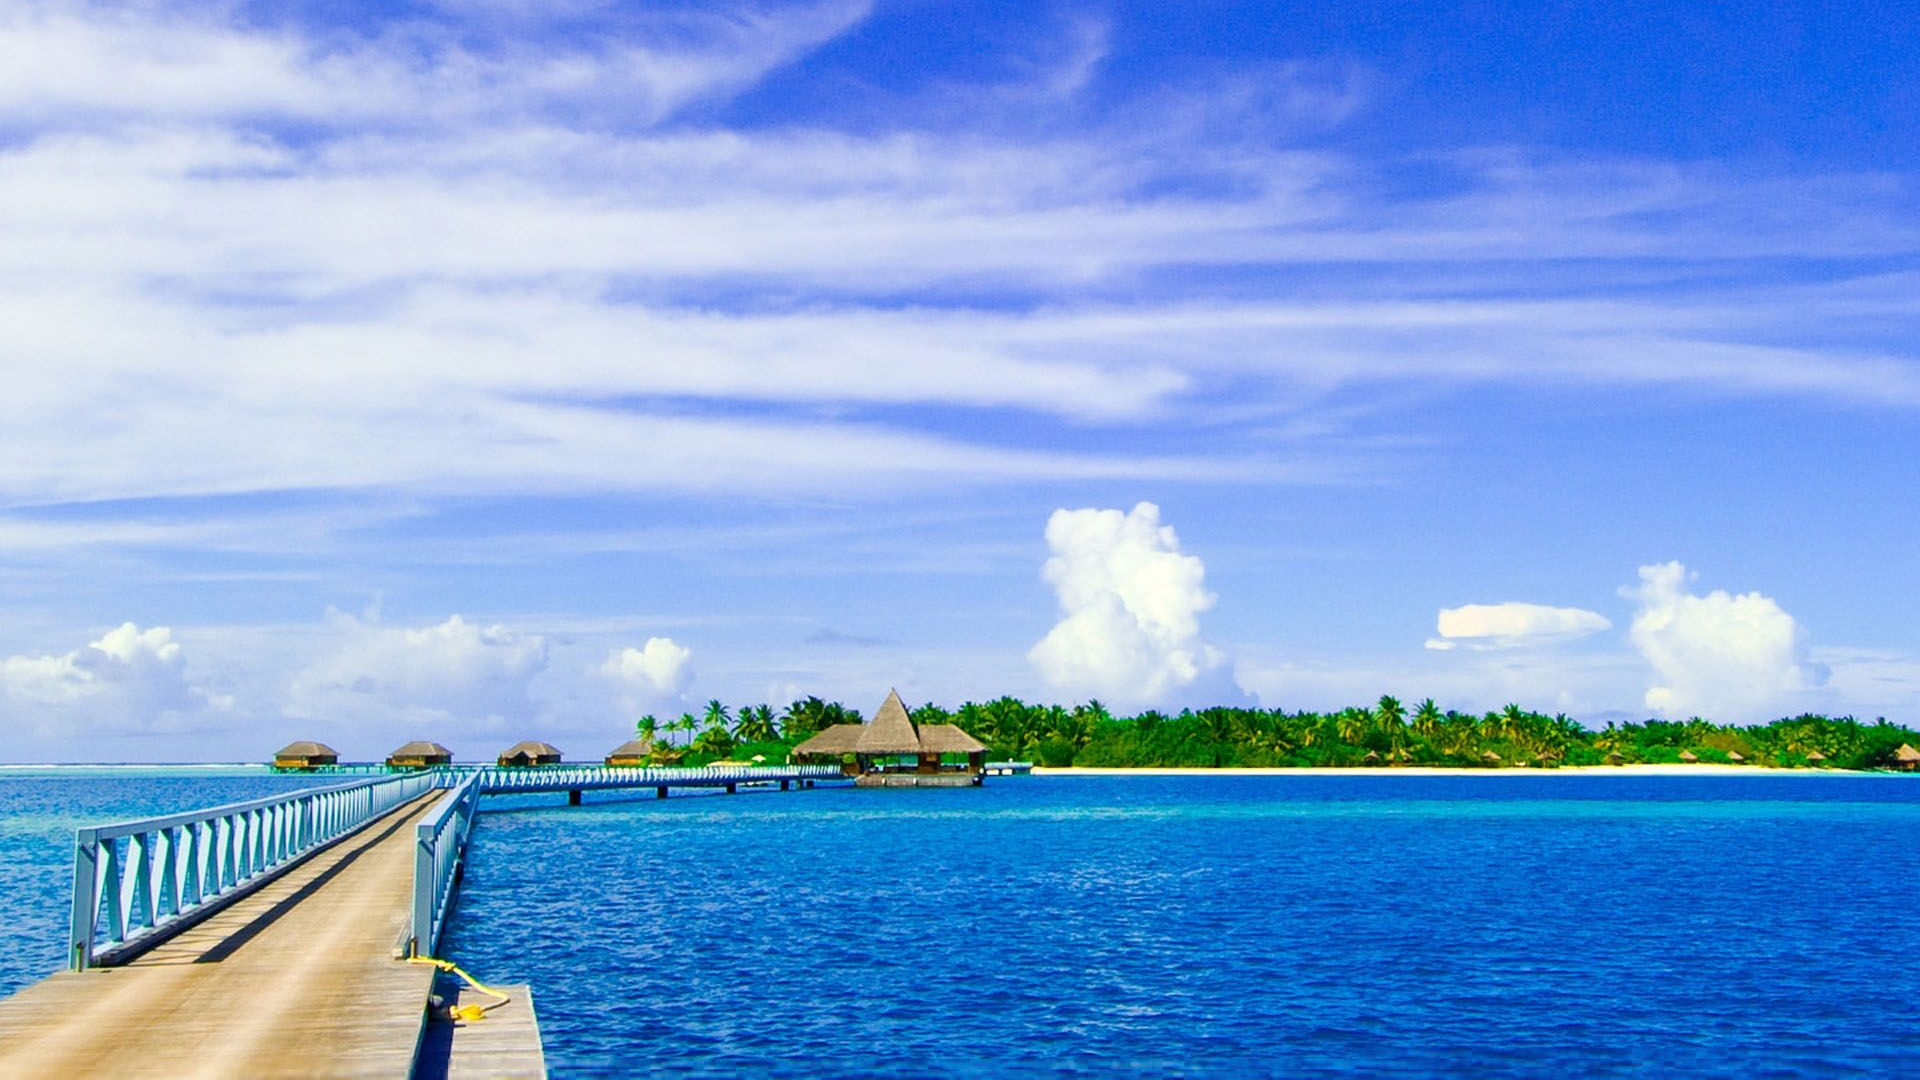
pixel 1815 757
pixel 631 753
pixel 530 753
pixel 1907 757
pixel 1616 758
pixel 1736 757
pixel 892 733
pixel 1688 757
pixel 1372 758
pixel 420 754
pixel 1491 758
pixel 305 754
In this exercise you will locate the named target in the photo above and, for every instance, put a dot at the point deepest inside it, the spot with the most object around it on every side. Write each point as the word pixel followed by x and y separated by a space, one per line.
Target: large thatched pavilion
pixel 1906 758
pixel 305 754
pixel 877 750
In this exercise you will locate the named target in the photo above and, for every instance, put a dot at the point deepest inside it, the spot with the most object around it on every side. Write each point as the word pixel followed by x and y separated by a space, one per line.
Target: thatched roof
pixel 422 748
pixel 307 748
pixel 1906 753
pixel 1490 756
pixel 948 739
pixel 1689 756
pixel 632 748
pixel 1735 755
pixel 1372 755
pixel 838 739
pixel 892 730
pixel 1815 755
pixel 531 748
pixel 1616 758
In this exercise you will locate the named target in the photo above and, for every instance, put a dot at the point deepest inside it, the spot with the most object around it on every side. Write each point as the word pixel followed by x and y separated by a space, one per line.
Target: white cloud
pixel 1512 624
pixel 1130 602
pixel 128 681
pixel 645 677
pixel 433 682
pixel 1728 658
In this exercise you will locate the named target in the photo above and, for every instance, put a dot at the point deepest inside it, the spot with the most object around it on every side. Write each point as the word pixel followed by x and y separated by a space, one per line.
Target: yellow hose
pixel 468 1013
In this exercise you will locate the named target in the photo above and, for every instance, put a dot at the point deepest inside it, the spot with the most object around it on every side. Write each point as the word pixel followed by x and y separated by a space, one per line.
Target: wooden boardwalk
pixel 297 979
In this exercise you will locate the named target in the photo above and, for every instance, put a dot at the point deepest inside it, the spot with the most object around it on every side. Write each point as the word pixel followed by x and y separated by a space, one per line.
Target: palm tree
pixel 647 727
pixel 1426 719
pixel 1352 725
pixel 756 724
pixel 687 724
pixel 1393 720
pixel 718 715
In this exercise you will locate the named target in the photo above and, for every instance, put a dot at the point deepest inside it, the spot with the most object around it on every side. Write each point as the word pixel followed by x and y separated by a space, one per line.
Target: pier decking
pixel 268 939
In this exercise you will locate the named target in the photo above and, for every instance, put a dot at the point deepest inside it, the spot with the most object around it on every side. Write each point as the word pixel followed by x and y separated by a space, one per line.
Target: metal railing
pixel 495 780
pixel 440 846
pixel 136 880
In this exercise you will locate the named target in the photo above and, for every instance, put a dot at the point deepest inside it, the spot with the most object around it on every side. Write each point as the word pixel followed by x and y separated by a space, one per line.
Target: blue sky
pixel 480 369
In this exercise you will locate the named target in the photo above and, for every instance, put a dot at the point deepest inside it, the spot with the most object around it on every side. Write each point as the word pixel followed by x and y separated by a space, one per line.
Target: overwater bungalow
pixel 523 754
pixel 419 754
pixel 1688 757
pixel 305 754
pixel 632 753
pixel 876 753
pixel 1906 758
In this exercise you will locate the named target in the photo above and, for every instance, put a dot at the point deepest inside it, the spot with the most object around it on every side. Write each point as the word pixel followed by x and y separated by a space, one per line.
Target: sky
pixel 487 369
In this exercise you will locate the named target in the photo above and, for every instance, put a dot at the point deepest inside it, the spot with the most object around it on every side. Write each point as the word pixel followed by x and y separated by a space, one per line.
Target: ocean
pixel 1537 925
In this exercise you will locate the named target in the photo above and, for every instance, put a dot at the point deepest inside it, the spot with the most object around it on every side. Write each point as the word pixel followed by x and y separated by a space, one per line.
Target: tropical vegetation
pixel 1389 732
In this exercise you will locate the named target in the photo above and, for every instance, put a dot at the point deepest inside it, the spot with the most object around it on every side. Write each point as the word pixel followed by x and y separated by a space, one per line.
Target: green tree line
pixel 1386 733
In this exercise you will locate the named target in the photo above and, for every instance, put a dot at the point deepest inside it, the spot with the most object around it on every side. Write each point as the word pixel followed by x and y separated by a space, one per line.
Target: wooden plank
pixel 504 1045
pixel 296 980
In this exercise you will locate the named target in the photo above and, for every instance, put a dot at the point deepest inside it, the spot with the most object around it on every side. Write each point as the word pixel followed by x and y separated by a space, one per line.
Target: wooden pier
pixel 296 979
pixel 272 938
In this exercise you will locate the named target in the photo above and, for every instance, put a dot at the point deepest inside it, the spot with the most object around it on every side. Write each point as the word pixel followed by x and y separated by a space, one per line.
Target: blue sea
pixel 1151 925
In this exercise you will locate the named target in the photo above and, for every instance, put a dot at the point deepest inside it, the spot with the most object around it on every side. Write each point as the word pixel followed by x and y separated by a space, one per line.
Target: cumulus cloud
pixel 440 679
pixel 1512 625
pixel 1725 657
pixel 1130 604
pixel 659 671
pixel 130 680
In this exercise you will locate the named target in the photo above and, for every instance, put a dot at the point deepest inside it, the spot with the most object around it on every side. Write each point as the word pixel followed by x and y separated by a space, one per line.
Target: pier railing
pixel 440 845
pixel 136 880
pixel 501 781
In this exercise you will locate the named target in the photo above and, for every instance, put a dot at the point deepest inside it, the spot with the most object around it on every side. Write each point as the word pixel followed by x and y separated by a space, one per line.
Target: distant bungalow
pixel 522 754
pixel 1688 757
pixel 876 747
pixel 1906 757
pixel 1816 758
pixel 420 754
pixel 633 752
pixel 1736 757
pixel 305 754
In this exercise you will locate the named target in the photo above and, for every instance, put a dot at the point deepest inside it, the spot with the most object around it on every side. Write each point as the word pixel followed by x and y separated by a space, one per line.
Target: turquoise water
pixel 1228 926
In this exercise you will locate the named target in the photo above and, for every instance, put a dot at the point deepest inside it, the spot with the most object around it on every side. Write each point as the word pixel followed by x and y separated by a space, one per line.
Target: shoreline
pixel 1435 770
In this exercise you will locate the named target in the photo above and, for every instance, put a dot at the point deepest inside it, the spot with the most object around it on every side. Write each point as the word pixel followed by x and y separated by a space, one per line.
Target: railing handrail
pixel 435 870
pixel 174 869
pixel 194 817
